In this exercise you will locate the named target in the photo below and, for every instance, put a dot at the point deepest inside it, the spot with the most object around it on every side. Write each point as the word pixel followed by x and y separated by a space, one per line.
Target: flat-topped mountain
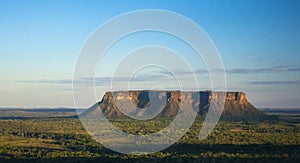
pixel 139 103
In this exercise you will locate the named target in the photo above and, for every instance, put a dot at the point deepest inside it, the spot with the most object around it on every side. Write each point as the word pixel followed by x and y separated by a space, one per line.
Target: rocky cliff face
pixel 236 104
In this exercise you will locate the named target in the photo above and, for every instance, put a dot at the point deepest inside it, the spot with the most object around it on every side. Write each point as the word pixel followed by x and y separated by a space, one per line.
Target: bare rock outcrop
pixel 236 104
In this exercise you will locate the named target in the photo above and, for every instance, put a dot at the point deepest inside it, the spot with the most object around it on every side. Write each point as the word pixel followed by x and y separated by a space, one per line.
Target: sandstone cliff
pixel 236 104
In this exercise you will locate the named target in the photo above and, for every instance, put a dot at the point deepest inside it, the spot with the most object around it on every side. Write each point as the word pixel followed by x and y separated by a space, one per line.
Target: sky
pixel 258 42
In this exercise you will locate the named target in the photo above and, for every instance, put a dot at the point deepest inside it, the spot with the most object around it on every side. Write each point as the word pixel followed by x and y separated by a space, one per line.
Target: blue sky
pixel 259 42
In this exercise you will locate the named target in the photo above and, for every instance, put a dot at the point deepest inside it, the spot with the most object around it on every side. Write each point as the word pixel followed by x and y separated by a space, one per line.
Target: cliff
pixel 138 103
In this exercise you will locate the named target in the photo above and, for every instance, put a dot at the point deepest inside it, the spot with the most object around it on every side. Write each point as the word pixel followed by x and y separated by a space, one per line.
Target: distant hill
pixel 26 113
pixel 236 105
pixel 281 110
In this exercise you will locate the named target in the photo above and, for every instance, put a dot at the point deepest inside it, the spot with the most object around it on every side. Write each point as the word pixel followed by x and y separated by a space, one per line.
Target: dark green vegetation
pixel 65 140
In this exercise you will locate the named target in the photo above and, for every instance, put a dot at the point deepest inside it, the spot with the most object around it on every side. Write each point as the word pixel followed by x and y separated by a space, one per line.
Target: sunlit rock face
pixel 114 104
pixel 240 97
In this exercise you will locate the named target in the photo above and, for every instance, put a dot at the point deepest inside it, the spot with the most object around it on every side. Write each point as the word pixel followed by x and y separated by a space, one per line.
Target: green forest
pixel 64 139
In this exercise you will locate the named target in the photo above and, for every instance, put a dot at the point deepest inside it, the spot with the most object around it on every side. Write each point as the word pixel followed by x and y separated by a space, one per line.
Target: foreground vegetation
pixel 64 139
